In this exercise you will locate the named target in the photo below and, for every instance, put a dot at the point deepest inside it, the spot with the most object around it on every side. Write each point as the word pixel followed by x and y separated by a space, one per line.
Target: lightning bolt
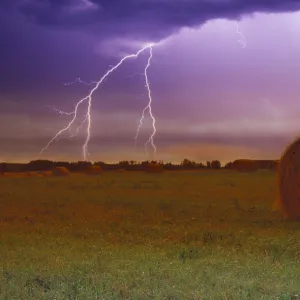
pixel 80 81
pixel 60 111
pixel 151 139
pixel 242 41
pixel 79 127
pixel 88 98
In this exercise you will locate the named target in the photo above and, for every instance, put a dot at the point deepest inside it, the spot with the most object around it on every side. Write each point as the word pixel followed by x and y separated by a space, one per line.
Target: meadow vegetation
pixel 205 234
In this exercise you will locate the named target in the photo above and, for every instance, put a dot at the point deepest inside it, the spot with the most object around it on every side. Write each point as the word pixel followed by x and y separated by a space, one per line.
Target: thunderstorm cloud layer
pixel 145 19
pixel 212 98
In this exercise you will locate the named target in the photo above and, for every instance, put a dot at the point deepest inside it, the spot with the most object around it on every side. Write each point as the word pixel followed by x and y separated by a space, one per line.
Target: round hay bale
pixel 31 174
pixel 289 181
pixel 60 171
pixel 94 170
pixel 154 168
pixel 46 173
pixel 276 206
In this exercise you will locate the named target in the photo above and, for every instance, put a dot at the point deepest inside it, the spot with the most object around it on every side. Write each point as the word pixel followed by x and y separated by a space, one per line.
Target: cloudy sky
pixel 224 77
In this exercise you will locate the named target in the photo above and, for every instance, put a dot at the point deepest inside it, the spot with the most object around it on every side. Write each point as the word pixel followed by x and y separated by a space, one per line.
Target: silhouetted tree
pixel 215 164
pixel 188 164
pixel 99 163
pixel 228 165
pixel 200 166
pixel 2 168
pixel 83 165
pixel 123 163
pixel 40 165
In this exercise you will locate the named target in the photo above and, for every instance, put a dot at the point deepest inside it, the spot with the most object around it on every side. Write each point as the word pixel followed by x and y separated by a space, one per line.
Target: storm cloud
pixel 144 19
pixel 212 98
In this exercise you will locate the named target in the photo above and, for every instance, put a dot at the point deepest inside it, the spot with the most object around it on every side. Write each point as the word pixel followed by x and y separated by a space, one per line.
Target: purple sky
pixel 212 98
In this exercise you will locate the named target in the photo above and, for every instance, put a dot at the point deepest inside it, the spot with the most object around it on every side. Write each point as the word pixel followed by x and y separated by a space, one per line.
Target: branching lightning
pixel 149 108
pixel 79 127
pixel 88 98
pixel 60 111
pixel 80 81
pixel 243 40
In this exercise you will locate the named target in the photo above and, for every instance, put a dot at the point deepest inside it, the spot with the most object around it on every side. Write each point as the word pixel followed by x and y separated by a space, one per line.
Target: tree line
pixel 131 165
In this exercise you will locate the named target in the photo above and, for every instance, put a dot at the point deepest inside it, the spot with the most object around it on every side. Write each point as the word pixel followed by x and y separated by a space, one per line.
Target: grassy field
pixel 176 235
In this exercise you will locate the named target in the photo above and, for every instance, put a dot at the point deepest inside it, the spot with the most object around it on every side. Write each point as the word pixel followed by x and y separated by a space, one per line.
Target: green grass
pixel 176 235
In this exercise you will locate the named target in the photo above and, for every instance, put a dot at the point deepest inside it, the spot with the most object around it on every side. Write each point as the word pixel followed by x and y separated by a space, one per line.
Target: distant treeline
pixel 45 165
pixel 186 164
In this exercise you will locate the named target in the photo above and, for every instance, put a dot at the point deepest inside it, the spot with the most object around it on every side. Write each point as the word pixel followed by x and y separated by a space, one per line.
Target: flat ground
pixel 176 235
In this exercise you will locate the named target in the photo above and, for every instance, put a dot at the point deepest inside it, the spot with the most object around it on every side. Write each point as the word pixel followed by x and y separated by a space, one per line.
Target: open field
pixel 175 235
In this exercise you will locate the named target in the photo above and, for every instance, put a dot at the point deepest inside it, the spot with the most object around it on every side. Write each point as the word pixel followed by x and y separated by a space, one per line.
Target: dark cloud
pixel 140 19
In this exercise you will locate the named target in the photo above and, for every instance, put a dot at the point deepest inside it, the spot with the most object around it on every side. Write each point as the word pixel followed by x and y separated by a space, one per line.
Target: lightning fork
pixel 89 99
pixel 151 139
pixel 80 81
pixel 61 112
pixel 79 127
pixel 242 41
